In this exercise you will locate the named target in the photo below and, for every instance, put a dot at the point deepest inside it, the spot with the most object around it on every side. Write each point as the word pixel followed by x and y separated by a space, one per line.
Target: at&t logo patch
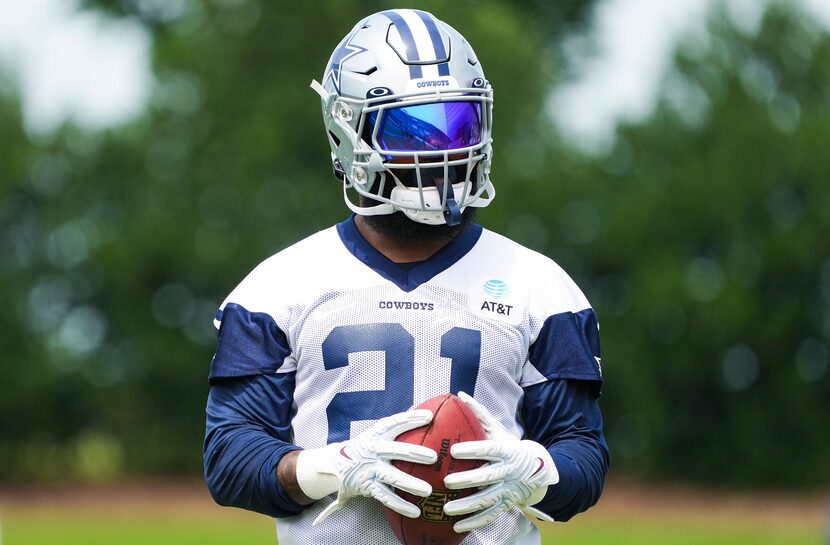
pixel 498 308
pixel 496 289
pixel 498 297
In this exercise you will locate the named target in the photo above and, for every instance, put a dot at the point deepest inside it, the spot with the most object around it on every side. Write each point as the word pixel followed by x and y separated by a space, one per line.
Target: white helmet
pixel 404 96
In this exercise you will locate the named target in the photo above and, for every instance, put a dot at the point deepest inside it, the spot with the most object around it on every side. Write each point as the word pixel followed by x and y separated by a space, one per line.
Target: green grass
pixel 680 532
pixel 86 529
pixel 125 518
pixel 239 529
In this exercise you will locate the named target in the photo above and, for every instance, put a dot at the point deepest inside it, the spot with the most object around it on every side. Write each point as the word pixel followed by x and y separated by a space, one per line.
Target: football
pixel 453 423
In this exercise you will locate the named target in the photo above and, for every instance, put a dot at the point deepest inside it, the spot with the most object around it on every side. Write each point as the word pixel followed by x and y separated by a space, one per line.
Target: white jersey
pixel 367 338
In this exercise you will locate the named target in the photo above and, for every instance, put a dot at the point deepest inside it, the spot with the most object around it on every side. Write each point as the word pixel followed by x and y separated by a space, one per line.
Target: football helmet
pixel 409 115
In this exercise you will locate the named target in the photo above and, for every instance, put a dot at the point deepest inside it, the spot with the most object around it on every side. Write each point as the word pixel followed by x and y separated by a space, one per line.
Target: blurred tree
pixel 701 237
pixel 703 240
pixel 122 244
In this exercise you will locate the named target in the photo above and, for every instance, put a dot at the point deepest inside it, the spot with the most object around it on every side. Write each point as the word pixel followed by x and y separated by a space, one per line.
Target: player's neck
pixel 399 251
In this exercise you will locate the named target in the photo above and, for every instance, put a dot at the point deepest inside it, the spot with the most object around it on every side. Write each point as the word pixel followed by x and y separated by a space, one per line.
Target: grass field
pixel 184 515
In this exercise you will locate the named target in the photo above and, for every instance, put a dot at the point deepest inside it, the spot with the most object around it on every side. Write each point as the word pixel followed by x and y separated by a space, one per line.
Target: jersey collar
pixel 407 278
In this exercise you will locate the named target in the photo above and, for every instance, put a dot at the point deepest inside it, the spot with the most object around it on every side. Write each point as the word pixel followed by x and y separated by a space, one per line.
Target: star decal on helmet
pixel 344 52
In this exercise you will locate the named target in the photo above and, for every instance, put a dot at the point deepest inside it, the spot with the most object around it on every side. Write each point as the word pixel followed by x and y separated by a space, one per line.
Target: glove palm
pixel 361 466
pixel 518 474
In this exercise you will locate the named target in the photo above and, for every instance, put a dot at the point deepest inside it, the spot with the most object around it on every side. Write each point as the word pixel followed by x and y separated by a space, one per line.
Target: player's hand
pixel 517 474
pixel 361 466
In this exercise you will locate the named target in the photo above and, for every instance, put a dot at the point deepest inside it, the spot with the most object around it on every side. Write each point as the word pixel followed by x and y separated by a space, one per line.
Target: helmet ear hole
pixel 334 139
pixel 339 172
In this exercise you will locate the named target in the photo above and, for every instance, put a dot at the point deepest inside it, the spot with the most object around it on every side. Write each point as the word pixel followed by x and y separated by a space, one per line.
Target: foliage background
pixel 701 236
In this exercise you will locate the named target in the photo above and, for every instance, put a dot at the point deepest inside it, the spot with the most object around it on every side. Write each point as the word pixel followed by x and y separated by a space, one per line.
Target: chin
pixel 399 227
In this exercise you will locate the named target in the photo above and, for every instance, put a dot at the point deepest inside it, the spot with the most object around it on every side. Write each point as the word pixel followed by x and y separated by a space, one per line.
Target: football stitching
pixel 426 431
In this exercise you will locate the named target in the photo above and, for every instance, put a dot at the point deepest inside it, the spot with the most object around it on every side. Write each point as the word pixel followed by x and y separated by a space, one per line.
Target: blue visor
pixel 438 126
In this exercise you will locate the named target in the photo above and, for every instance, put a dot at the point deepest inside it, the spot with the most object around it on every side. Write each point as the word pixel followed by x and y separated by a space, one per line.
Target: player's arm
pixel 564 416
pixel 247 436
pixel 562 412
pixel 248 425
pixel 287 478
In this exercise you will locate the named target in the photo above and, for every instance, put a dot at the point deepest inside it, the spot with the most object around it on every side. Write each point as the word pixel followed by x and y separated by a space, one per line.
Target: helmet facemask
pixel 414 181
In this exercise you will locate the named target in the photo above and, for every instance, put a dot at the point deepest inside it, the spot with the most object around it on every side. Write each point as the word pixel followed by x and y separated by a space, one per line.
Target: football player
pixel 325 347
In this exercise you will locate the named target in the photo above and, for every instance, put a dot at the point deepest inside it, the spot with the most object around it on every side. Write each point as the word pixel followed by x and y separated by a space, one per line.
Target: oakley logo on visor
pixel 375 92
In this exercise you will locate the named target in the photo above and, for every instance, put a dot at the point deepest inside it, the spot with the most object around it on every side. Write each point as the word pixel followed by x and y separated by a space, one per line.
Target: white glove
pixel 361 466
pixel 518 474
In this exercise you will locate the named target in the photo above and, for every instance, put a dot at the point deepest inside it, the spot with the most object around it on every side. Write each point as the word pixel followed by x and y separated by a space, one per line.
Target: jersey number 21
pixel 462 346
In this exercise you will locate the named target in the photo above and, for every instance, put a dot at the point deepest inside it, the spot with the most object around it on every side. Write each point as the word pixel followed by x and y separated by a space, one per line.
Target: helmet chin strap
pixel 319 89
pixel 452 214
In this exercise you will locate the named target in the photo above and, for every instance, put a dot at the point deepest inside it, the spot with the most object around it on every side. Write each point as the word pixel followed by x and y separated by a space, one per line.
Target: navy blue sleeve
pixel 568 347
pixel 248 431
pixel 250 343
pixel 564 416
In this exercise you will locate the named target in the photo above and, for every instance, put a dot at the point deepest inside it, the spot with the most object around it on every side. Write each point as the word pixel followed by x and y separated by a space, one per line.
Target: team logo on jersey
pixel 405 305
pixel 433 83
pixel 496 289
